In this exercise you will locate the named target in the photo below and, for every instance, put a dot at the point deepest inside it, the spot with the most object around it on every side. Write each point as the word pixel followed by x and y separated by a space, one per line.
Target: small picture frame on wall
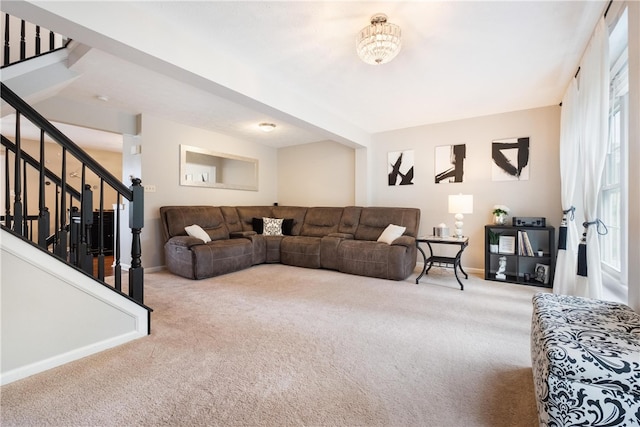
pixel 541 273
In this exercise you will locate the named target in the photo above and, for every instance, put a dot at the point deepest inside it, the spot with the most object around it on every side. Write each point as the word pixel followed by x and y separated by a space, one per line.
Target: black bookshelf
pixel 523 266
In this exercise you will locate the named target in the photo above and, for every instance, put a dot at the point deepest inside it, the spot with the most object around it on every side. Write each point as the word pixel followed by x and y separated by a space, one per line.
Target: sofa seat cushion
pixel 300 251
pixel 207 260
pixel 272 248
pixel 329 249
pixel 257 242
pixel 376 259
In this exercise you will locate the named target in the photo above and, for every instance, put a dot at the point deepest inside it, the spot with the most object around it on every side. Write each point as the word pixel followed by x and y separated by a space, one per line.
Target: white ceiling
pixel 458 60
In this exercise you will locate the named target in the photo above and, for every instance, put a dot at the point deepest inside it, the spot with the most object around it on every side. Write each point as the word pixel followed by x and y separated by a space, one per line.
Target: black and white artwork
pixel 400 167
pixel 450 163
pixel 510 159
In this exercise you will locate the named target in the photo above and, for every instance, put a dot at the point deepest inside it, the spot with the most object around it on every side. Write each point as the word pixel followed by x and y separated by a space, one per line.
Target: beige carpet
pixel 277 346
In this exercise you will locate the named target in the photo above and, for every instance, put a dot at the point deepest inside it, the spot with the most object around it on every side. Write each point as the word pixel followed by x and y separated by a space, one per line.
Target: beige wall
pixel 317 174
pixel 160 160
pixel 538 196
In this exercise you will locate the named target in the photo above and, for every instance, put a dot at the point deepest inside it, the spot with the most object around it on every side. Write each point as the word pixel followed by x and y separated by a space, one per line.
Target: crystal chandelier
pixel 379 42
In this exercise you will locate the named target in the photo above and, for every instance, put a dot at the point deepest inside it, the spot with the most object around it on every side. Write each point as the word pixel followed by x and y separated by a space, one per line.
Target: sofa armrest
pixel 347 236
pixel 185 241
pixel 239 234
pixel 407 241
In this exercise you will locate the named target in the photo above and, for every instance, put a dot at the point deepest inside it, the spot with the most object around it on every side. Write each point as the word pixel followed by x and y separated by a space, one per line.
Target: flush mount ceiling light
pixel 266 127
pixel 379 42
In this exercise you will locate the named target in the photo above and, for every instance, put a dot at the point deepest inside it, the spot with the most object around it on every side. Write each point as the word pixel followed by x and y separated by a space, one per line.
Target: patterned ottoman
pixel 586 361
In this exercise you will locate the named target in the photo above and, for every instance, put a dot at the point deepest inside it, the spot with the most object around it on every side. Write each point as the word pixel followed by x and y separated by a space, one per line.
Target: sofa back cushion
pixel 374 220
pixel 350 219
pixel 231 218
pixel 209 218
pixel 320 222
pixel 247 213
pixel 297 213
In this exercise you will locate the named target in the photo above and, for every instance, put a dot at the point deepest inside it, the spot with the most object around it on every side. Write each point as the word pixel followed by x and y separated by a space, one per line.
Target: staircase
pixel 57 237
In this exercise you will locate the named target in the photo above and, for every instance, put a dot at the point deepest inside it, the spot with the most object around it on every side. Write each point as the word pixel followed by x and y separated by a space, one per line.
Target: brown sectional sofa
pixel 336 238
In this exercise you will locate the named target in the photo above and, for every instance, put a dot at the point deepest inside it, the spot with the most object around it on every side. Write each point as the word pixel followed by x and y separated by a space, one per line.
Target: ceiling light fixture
pixel 379 42
pixel 266 127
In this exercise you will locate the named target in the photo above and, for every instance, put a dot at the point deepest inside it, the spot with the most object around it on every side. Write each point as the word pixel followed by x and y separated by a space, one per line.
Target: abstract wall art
pixel 400 167
pixel 450 163
pixel 510 159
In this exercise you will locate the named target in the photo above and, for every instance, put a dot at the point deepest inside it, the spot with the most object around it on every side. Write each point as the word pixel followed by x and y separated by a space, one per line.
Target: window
pixel 613 192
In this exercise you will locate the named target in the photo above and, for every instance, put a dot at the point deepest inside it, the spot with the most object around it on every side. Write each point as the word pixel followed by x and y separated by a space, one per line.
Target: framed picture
pixel 450 163
pixel 507 245
pixel 541 273
pixel 510 159
pixel 400 167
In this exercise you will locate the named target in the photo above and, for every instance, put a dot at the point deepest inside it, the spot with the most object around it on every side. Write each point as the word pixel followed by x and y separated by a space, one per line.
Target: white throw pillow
pixel 391 233
pixel 272 226
pixel 197 232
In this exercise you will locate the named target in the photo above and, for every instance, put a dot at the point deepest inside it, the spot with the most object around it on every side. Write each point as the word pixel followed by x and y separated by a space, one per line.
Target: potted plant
pixel 494 241
pixel 500 213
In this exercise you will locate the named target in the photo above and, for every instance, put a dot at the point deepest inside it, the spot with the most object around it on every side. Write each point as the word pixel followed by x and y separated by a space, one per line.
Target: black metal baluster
pixel 17 201
pixel 86 212
pixel 117 271
pixel 56 221
pixel 7 190
pixel 37 39
pixel 43 211
pixel 26 231
pixel 23 44
pixel 7 57
pixel 74 235
pixel 101 234
pixel 61 249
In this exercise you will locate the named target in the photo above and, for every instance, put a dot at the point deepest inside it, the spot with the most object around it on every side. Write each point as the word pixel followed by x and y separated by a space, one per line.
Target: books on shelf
pixel 524 244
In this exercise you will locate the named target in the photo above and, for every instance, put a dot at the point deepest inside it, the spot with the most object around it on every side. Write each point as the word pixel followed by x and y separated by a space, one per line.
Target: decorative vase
pixel 493 248
pixel 500 219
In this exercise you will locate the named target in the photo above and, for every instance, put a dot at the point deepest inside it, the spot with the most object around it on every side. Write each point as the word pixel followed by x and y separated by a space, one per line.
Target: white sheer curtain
pixel 583 147
pixel 593 110
pixel 564 281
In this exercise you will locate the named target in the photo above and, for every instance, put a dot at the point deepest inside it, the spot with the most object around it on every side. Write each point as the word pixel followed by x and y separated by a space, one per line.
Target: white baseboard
pixel 126 267
pixel 61 359
pixel 154 269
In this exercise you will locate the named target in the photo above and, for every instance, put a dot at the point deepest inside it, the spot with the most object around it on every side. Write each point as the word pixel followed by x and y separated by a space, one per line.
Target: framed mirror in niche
pixel 200 167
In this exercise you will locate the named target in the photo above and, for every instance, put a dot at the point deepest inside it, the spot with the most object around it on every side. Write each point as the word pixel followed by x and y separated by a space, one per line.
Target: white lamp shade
pixel 461 203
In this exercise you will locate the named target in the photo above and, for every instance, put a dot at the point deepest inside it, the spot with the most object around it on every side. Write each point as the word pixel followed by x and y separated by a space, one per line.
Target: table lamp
pixel 460 204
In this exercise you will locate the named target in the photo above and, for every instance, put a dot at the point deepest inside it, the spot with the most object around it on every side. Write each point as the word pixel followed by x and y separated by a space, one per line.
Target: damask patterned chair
pixel 586 361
